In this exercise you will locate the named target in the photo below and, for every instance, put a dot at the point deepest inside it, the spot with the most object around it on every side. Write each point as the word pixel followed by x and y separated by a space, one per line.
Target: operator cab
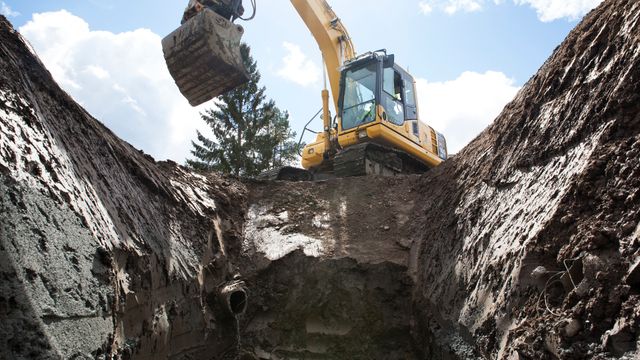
pixel 374 79
pixel 373 88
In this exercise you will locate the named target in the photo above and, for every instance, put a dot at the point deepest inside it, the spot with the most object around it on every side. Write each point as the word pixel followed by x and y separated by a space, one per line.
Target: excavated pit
pixel 526 245
pixel 327 265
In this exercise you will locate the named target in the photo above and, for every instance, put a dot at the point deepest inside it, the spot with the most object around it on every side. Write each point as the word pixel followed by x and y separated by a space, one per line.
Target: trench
pixel 309 308
pixel 432 267
pixel 327 268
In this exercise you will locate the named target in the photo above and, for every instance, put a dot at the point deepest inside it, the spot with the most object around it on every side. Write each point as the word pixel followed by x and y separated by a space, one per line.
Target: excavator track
pixel 287 173
pixel 374 159
pixel 358 160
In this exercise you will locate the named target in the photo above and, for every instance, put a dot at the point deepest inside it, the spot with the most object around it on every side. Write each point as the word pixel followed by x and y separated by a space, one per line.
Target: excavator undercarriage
pixel 373 159
pixel 359 160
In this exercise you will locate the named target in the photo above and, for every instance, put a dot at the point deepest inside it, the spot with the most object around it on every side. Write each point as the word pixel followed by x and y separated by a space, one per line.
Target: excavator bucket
pixel 203 57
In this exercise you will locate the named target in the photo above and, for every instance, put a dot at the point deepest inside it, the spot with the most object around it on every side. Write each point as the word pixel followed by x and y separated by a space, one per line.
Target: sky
pixel 469 58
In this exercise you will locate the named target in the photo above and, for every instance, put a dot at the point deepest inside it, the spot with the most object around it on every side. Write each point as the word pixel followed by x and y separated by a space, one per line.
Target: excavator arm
pixel 335 44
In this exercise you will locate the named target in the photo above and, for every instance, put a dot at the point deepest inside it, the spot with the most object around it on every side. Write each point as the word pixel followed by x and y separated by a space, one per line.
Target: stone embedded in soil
pixel 572 328
pixel 633 276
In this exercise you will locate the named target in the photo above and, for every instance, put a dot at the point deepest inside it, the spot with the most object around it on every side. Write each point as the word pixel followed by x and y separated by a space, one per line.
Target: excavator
pixel 377 129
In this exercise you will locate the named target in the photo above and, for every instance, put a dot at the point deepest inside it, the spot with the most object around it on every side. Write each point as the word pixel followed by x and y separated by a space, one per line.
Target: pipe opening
pixel 238 302
pixel 234 297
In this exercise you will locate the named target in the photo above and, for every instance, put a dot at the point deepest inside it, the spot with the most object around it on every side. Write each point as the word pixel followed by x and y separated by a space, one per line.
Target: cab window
pixel 359 96
pixel 409 97
pixel 392 96
pixel 410 107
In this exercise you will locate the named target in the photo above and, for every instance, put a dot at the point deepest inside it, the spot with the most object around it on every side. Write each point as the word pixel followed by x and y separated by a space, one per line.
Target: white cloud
pixel 425 8
pixel 450 6
pixel 454 6
pixel 298 68
pixel 121 79
pixel 462 108
pixel 7 11
pixel 547 10
pixel 98 71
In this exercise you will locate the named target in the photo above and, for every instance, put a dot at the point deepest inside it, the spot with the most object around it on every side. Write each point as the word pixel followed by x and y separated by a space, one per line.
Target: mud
pixel 523 246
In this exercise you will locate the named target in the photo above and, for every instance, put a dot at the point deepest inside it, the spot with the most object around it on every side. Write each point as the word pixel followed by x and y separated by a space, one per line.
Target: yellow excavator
pixel 377 129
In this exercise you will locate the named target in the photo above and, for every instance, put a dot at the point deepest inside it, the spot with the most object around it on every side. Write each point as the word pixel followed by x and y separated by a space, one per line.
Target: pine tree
pixel 250 134
pixel 278 143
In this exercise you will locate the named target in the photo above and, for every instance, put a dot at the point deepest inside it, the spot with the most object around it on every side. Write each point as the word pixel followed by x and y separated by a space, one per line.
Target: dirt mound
pixel 523 246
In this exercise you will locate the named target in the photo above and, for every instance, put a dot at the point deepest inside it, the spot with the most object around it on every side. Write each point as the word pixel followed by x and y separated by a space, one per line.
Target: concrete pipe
pixel 234 297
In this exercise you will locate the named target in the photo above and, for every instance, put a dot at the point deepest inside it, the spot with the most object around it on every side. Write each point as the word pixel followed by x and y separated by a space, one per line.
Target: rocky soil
pixel 327 265
pixel 526 245
pixel 538 256
pixel 103 252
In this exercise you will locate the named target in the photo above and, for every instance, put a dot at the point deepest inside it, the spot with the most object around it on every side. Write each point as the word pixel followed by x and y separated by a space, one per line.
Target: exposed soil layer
pixel 309 308
pixel 327 265
pixel 103 252
pixel 523 246
pixel 530 241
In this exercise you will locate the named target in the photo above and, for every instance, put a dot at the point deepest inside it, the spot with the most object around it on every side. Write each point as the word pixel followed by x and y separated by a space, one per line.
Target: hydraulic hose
pixel 253 15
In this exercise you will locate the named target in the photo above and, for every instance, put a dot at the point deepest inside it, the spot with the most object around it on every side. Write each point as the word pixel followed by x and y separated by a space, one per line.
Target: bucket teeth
pixel 203 57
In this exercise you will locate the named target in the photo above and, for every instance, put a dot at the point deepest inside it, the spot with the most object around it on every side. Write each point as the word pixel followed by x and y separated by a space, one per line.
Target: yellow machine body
pixel 423 147
pixel 411 136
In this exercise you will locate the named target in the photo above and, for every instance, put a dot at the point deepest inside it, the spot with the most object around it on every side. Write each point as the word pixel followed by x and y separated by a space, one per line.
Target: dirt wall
pixel 535 257
pixel 104 252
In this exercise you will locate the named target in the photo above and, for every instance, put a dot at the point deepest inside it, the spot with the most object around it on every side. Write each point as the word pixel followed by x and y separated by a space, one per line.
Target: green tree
pixel 250 134
pixel 279 144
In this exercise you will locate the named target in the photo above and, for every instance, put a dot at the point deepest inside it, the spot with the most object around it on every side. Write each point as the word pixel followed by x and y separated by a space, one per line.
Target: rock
pixel 572 328
pixel 620 340
pixel 567 219
pixel 633 275
pixel 552 344
pixel 628 228
pixel 404 242
pixel 539 273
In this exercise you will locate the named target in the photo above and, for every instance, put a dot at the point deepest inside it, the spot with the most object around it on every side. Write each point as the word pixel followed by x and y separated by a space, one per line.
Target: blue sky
pixel 469 57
